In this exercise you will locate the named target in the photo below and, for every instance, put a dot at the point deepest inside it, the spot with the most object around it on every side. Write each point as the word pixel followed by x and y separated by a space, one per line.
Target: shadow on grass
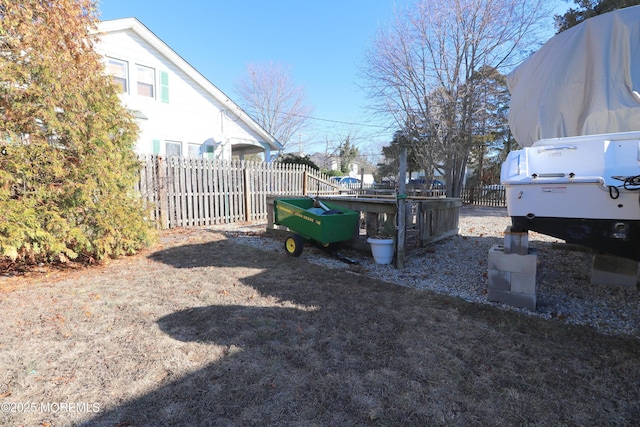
pixel 335 348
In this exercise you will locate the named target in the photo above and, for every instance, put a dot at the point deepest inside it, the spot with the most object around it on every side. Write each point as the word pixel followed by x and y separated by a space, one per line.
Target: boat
pixel 575 112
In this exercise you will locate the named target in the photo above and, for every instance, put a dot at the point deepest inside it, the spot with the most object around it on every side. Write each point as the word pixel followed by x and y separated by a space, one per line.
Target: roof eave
pixel 146 34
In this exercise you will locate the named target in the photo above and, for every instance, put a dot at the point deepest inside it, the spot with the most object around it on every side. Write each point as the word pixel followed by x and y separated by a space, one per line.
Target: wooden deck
pixel 427 220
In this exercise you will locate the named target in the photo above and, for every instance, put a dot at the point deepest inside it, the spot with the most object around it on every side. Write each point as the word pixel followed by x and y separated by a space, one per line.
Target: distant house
pixel 326 162
pixel 178 110
pixel 332 162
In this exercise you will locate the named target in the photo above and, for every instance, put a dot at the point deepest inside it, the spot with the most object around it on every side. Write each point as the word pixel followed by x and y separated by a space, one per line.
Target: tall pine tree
pixel 67 168
pixel 589 8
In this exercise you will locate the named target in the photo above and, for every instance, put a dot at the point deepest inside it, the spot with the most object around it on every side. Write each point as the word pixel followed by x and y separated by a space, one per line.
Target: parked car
pixel 421 183
pixel 386 184
pixel 345 180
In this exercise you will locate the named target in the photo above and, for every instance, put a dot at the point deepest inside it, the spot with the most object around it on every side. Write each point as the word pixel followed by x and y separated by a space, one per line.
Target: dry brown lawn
pixel 202 331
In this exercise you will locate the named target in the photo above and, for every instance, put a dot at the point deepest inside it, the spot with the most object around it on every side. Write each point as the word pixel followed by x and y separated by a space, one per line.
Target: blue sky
pixel 322 41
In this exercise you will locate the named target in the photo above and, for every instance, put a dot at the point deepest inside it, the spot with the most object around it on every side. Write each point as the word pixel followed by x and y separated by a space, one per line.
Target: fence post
pixel 305 184
pixel 247 196
pixel 163 198
pixel 401 216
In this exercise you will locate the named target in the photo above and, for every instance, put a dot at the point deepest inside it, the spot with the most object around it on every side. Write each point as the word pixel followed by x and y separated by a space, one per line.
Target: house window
pixel 194 150
pixel 118 70
pixel 146 81
pixel 173 148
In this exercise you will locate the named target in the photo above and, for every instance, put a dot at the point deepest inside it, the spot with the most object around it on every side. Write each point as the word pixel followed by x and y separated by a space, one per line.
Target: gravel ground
pixel 457 266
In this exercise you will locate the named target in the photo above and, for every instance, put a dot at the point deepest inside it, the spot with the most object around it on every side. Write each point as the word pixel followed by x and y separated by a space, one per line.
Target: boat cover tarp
pixel 583 81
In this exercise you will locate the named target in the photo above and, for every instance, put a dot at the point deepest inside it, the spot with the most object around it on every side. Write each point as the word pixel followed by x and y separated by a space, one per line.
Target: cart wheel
pixel 294 245
pixel 331 247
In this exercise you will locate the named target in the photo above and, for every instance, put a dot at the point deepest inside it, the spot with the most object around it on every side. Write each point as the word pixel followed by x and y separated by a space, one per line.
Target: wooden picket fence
pixel 187 192
pixel 488 195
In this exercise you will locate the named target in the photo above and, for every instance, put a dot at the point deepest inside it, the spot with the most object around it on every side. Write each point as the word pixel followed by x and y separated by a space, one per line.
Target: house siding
pixel 180 111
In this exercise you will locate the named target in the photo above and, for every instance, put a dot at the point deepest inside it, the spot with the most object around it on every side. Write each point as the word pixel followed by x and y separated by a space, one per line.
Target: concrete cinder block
pixel 516 242
pixel 515 263
pixel 499 280
pixel 512 278
pixel 614 271
pixel 513 299
pixel 514 282
pixel 523 283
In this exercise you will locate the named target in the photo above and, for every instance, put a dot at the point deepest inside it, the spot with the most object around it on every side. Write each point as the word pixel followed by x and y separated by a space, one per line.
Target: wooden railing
pixel 426 220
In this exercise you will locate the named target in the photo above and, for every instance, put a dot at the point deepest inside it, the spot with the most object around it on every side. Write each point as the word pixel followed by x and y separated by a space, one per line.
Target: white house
pixel 178 110
pixel 332 162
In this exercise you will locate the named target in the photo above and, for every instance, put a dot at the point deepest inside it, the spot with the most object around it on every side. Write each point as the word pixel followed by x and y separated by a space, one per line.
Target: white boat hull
pixel 583 190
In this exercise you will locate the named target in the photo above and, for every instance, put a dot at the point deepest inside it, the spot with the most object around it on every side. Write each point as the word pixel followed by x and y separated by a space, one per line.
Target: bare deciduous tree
pixel 419 70
pixel 269 95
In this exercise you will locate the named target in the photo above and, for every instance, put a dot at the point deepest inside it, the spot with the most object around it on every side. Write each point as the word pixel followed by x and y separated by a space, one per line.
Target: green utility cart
pixel 325 223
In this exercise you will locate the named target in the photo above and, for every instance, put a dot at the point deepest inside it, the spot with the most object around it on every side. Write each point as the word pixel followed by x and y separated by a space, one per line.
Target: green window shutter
pixel 164 86
pixel 156 146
